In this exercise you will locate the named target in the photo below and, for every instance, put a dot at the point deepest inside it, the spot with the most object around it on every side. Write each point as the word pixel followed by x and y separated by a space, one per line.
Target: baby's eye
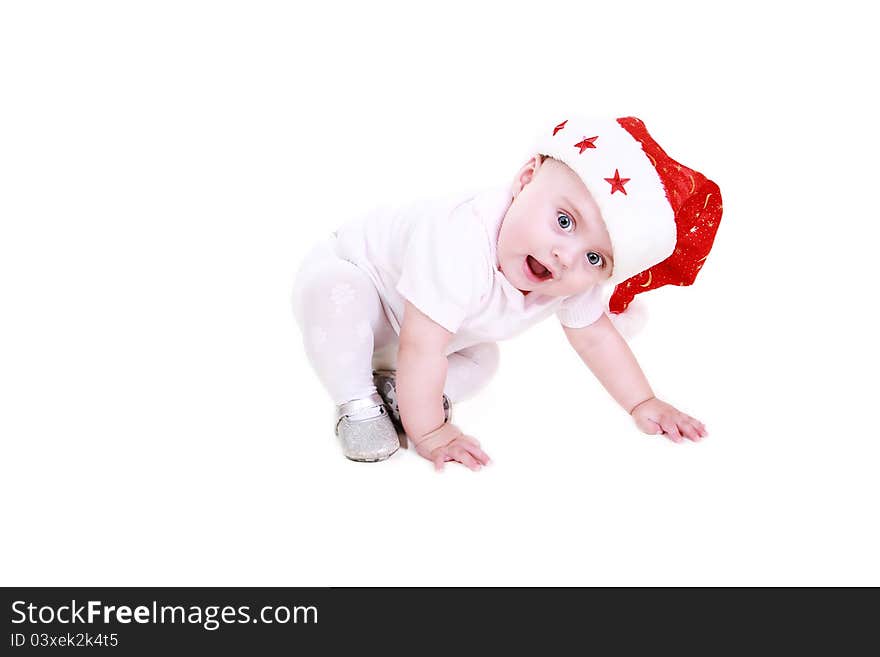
pixel 595 259
pixel 565 222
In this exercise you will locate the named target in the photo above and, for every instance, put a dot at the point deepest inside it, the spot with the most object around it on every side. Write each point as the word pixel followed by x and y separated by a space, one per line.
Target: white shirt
pixel 440 255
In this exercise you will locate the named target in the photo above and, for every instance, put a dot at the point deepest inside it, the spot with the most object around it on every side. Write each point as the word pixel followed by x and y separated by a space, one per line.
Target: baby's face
pixel 553 239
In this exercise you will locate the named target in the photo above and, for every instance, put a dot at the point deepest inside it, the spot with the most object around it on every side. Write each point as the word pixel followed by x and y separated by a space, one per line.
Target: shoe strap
pixel 357 405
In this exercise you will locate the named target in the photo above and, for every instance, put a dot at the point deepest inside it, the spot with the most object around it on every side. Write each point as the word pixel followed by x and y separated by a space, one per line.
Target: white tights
pixel 346 334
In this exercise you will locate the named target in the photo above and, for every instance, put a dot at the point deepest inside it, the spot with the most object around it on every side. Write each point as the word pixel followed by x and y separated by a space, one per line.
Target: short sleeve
pixel 445 265
pixel 582 309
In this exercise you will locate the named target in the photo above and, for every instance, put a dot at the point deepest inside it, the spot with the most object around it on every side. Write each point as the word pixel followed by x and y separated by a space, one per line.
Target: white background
pixel 165 165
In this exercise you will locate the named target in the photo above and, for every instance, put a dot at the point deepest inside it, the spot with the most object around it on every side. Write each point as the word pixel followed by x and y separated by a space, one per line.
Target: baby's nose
pixel 563 256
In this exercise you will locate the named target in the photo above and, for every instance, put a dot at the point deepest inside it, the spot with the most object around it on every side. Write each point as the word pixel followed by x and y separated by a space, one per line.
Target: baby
pixel 400 310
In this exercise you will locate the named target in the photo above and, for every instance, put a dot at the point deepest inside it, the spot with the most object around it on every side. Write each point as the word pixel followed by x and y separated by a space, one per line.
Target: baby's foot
pixel 386 384
pixel 366 432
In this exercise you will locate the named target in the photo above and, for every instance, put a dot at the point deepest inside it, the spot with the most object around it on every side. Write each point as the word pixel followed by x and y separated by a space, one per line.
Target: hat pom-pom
pixel 630 322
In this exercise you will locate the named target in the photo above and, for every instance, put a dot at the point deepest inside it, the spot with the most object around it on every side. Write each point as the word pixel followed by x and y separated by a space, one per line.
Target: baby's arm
pixel 609 357
pixel 421 374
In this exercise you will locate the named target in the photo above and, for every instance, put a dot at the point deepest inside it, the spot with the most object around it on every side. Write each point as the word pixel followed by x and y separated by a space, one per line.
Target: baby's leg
pixel 338 311
pixel 470 369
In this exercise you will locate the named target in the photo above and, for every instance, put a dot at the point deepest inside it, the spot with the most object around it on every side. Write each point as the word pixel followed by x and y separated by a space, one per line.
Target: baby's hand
pixel 654 416
pixel 448 443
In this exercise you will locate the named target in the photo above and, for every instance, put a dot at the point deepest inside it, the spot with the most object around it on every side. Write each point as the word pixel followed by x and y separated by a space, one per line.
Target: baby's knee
pixel 335 289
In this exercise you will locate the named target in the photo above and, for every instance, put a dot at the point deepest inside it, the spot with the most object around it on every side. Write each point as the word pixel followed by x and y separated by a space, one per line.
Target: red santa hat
pixel 661 216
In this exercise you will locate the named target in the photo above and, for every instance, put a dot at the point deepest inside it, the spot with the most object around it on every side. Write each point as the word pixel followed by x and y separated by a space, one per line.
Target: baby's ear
pixel 527 173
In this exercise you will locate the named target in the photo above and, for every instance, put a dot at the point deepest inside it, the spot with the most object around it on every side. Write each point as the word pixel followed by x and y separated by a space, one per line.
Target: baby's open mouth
pixel 539 270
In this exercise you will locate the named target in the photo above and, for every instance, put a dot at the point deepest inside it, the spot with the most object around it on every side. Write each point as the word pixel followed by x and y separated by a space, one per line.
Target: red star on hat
pixel 586 143
pixel 559 127
pixel 617 182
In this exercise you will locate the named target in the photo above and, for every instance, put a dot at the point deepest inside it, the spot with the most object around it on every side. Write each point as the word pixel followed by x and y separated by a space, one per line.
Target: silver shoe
pixel 386 384
pixel 372 436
